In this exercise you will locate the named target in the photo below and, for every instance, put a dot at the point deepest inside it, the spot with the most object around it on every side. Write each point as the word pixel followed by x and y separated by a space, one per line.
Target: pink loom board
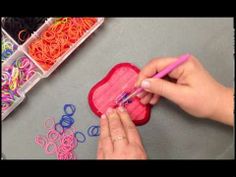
pixel 121 78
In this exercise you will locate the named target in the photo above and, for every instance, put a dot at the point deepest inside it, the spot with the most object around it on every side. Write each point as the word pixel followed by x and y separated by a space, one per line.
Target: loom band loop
pixel 56 28
pixel 29 67
pixel 64 156
pixel 41 140
pixel 16 93
pixel 23 35
pixel 14 77
pixel 59 21
pixel 5 106
pixel 74 21
pixel 74 143
pixel 69 109
pixel 68 155
pixel 7 53
pixel 50 123
pixel 59 128
pixel 66 121
pixel 55 53
pixel 13 85
pixel 66 149
pixel 73 30
pixel 80 140
pixel 22 62
pixel 30 74
pixel 5 77
pixel 15 73
pixel 48 35
pixel 86 24
pixel 64 20
pixel 6 47
pixel 53 135
pixel 93 130
pixel 7 43
pixel 67 140
pixel 49 150
pixel 7 101
pixel 8 69
pixel 6 98
pixel 49 62
pixel 69 132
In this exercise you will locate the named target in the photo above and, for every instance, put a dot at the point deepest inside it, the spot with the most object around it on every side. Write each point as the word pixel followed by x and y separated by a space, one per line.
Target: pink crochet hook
pixel 159 75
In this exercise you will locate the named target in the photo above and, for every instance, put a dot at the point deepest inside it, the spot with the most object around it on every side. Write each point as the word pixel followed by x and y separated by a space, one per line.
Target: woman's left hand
pixel 119 138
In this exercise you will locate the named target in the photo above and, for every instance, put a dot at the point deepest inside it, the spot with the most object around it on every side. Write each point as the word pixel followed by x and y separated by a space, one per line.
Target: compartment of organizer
pixel 15 84
pixel 8 47
pixel 57 39
pixel 19 75
pixel 21 28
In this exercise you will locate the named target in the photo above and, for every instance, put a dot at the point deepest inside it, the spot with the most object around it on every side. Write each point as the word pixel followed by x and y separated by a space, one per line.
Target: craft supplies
pixel 46 42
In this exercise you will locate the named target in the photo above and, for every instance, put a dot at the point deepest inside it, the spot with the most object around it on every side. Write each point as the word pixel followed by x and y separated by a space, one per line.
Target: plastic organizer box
pixel 21 52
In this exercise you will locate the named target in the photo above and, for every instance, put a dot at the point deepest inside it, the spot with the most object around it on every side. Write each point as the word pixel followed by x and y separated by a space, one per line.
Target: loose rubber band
pixel 93 130
pixel 69 109
pixel 82 135
pixel 53 150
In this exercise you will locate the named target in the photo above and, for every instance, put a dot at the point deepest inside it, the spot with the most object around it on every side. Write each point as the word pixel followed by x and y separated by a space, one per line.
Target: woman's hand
pixel 194 90
pixel 119 138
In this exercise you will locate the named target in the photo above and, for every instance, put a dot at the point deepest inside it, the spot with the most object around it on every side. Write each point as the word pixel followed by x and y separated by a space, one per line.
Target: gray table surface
pixel 171 133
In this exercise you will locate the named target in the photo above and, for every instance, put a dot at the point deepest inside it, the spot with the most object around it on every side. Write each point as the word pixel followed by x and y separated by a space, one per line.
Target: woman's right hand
pixel 194 90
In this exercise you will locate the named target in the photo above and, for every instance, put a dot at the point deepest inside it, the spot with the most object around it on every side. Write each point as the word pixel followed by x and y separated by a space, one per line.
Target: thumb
pixel 169 90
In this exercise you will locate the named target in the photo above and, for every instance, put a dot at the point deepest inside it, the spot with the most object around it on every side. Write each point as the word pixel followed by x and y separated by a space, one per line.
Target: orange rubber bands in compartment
pixel 57 39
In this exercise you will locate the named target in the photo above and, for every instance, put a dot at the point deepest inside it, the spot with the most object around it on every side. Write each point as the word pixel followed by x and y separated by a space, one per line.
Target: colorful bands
pixel 13 78
pixel 57 39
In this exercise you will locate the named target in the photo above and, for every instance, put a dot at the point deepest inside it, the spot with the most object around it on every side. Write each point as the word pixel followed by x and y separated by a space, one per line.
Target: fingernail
pixel 121 109
pixel 109 111
pixel 145 84
pixel 103 116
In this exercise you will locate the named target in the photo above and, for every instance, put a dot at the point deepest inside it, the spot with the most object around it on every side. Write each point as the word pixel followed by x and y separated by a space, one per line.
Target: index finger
pixel 129 126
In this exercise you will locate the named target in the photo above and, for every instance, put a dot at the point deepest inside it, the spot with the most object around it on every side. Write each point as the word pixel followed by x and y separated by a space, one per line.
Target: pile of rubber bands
pixel 13 78
pixel 21 29
pixel 62 138
pixel 57 39
pixel 8 48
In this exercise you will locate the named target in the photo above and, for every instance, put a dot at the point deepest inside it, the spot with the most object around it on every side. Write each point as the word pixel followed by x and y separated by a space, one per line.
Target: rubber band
pixel 68 132
pixel 41 140
pixel 121 97
pixel 93 130
pixel 24 37
pixel 57 129
pixel 47 148
pixel 66 121
pixel 49 123
pixel 69 109
pixel 53 135
pixel 82 135
pixel 8 48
